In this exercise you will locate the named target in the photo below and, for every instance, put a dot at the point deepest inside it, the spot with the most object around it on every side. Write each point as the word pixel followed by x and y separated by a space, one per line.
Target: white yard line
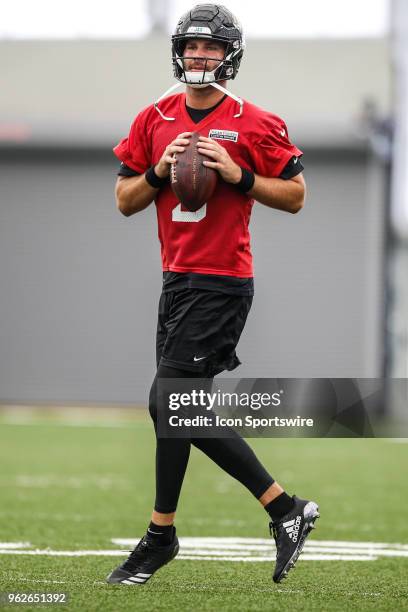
pixel 259 543
pixel 68 423
pixel 47 552
pixel 270 559
pixel 41 581
pixel 47 481
pixel 181 556
pixel 232 549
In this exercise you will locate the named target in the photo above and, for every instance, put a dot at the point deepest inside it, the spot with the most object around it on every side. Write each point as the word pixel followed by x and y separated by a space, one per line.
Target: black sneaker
pixel 144 561
pixel 290 533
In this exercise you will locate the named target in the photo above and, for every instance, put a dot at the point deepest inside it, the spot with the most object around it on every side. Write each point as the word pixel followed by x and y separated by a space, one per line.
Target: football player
pixel 207 263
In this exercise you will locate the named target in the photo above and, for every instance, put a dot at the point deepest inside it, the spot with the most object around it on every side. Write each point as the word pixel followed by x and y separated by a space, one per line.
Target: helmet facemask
pixel 195 78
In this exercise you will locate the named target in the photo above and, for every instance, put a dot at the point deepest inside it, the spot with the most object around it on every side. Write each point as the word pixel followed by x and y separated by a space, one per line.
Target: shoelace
pixel 137 554
pixel 274 531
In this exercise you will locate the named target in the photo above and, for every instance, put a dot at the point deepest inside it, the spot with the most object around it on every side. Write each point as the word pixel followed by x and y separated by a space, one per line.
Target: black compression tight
pixel 232 454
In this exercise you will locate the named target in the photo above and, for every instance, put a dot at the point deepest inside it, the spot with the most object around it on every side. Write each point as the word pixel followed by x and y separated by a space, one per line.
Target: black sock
pixel 280 506
pixel 162 535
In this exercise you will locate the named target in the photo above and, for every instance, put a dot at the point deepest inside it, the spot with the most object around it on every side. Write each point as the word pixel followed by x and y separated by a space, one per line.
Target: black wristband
pixel 154 180
pixel 247 181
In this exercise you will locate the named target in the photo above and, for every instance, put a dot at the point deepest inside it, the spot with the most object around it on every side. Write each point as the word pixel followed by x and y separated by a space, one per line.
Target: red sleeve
pixel 273 151
pixel 134 150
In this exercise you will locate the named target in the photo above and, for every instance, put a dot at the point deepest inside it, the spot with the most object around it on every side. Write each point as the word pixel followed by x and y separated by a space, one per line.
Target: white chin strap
pixel 198 76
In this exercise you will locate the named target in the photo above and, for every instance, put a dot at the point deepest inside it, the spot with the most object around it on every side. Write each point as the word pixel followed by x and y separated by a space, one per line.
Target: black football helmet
pixel 208 21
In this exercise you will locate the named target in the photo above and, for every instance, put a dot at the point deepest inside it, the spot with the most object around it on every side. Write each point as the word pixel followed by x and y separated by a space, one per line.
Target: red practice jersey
pixel 215 239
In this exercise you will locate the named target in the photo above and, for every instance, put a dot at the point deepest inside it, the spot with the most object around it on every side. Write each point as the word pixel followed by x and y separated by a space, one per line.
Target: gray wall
pixel 80 283
pixel 85 92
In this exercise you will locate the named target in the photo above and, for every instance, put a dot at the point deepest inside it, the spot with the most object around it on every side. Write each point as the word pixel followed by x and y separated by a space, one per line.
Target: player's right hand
pixel 178 145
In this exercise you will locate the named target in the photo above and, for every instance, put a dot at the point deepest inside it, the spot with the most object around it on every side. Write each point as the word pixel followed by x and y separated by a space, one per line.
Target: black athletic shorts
pixel 198 330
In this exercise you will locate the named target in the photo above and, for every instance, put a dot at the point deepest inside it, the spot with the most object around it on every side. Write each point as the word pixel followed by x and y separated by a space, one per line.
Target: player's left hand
pixel 220 160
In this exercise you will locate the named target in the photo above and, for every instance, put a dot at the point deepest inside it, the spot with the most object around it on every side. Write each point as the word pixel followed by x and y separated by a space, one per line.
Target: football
pixel 192 182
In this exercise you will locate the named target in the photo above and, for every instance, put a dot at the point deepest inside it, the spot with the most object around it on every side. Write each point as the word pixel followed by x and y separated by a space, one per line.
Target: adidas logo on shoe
pixel 292 528
pixel 139 578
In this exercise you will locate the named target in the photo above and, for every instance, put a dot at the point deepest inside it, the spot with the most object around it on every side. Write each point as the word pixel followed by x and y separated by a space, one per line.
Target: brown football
pixel 192 182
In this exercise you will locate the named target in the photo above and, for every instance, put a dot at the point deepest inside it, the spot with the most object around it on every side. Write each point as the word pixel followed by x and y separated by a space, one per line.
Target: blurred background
pixel 80 283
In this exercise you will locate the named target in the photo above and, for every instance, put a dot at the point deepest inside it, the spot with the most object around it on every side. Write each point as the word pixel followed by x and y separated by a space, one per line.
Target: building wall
pixel 83 92
pixel 80 283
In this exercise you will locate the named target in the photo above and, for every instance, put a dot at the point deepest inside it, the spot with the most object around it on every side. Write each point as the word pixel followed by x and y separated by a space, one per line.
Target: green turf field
pixel 76 488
